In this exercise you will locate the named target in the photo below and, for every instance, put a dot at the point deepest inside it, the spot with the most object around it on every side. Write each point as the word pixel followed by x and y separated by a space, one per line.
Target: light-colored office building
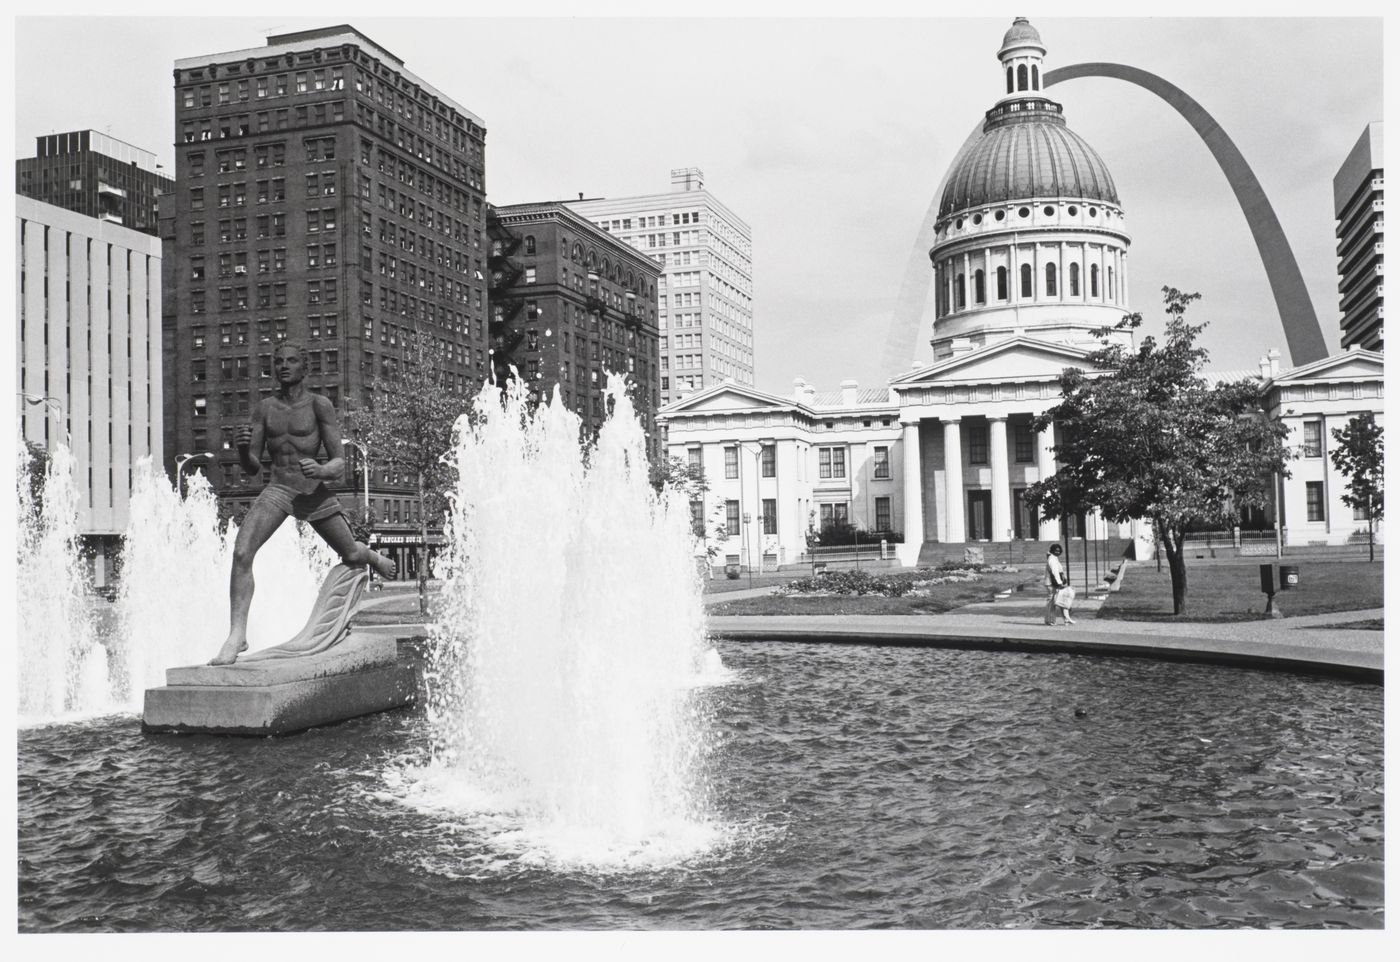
pixel 705 299
pixel 88 342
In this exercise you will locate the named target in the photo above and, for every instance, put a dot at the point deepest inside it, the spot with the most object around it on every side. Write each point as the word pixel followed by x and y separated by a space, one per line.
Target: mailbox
pixel 1288 577
pixel 1268 578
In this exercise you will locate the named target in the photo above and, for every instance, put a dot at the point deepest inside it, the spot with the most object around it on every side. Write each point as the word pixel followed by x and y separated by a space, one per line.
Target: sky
pixel 828 136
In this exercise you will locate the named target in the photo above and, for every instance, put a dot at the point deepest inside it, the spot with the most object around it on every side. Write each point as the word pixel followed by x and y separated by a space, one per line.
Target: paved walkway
pixel 1303 643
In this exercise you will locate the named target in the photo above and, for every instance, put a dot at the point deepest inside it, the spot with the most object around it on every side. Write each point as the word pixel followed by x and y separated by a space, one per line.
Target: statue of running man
pixel 294 425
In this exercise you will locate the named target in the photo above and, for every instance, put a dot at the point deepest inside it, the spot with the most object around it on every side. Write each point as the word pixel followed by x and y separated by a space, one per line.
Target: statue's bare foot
pixel 382 565
pixel 230 652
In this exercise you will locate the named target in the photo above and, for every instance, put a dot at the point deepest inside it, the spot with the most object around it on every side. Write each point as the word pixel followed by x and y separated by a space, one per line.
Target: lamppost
pixel 364 468
pixel 364 458
pixel 180 463
pixel 757 451
pixel 55 407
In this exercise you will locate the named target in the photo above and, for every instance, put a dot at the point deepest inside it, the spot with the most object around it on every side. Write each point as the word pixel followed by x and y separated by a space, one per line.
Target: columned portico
pixel 1001 481
pixel 1045 462
pixel 954 529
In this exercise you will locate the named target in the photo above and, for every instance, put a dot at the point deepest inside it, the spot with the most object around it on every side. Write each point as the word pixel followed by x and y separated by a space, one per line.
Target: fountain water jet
pixel 62 665
pixel 172 606
pixel 161 628
pixel 563 676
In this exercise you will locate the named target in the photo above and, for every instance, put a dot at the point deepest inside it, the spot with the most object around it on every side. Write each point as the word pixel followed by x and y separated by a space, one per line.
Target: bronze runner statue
pixel 294 425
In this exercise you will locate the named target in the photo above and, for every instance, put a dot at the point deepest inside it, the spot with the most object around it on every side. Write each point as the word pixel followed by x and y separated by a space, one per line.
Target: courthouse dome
pixel 1025 151
pixel 1027 154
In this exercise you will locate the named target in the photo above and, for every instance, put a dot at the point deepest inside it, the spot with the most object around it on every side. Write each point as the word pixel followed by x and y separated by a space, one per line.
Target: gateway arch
pixel 1295 308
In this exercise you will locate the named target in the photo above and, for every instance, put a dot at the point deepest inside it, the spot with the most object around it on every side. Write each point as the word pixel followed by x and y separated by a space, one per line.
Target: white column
pixel 967 280
pixel 1001 480
pixel 1060 279
pixel 954 501
pixel 908 552
pixel 1045 461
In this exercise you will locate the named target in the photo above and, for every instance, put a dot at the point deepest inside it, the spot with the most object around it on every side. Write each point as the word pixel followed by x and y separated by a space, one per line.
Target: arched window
pixel 960 290
pixel 979 286
pixel 1074 280
pixel 529 245
pixel 1027 281
pixel 1093 280
pixel 1035 77
pixel 1111 289
pixel 1010 80
pixel 1002 289
pixel 1021 77
pixel 1050 289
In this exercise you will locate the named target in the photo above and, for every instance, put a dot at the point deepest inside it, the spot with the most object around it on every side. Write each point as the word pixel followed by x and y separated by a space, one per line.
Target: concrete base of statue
pixel 324 674
pixel 359 676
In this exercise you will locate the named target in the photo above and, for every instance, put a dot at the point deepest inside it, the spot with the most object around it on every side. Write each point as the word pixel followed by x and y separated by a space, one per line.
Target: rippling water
pixel 856 787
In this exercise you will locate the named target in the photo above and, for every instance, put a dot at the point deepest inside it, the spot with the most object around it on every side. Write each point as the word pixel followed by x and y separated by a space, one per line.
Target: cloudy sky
pixel 829 136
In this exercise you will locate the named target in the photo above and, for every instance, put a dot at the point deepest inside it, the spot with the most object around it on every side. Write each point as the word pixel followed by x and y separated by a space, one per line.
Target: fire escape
pixel 504 336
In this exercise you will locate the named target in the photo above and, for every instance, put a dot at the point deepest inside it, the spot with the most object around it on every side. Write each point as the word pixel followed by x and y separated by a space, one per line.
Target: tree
pixel 681 475
pixel 1360 456
pixel 407 425
pixel 1145 436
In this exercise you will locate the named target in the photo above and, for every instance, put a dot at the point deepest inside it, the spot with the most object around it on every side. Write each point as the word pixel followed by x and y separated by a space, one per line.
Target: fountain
pixel 571 641
pixel 584 760
pixel 70 667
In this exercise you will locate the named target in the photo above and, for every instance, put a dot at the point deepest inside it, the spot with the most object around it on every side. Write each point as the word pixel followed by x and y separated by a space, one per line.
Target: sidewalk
pixel 1016 623
pixel 1297 644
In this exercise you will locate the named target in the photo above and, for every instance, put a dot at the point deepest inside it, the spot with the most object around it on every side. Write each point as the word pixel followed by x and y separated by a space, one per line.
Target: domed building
pixel 1030 262
pixel 1030 235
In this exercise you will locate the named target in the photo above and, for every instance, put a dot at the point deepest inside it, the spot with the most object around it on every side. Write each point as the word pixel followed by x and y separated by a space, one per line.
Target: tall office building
pixel 324 194
pixel 87 358
pixel 570 304
pixel 96 175
pixel 1358 193
pixel 705 299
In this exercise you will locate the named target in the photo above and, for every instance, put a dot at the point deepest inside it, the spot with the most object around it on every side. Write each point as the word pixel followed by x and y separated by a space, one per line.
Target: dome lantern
pixel 1022 57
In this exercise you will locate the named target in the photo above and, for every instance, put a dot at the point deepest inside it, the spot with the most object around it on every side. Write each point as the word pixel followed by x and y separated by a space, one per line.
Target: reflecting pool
pixel 847 787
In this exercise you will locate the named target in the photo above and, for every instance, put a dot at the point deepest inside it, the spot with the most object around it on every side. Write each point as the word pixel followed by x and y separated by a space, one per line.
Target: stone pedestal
pixel 277 696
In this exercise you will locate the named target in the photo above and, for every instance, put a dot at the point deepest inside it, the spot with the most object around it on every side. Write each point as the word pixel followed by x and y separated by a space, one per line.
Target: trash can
pixel 731 571
pixel 1288 577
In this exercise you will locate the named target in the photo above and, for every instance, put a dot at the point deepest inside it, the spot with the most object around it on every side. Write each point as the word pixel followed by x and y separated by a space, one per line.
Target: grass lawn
pixel 1230 592
pixel 941 598
pixel 722 584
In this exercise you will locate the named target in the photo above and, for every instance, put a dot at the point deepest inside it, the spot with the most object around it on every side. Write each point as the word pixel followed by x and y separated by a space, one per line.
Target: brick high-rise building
pixel 1358 192
pixel 569 304
pixel 324 194
pixel 96 175
pixel 705 299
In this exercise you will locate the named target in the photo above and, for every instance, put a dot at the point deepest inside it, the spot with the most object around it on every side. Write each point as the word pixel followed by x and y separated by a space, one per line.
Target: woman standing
pixel 1054 580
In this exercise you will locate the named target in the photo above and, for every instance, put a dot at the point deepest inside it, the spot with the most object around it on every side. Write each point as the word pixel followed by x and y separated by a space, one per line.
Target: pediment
pixel 1346 366
pixel 726 398
pixel 1018 359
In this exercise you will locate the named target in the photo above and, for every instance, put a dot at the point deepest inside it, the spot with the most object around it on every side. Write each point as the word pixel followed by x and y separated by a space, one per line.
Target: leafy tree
pixel 1143 435
pixel 1360 456
pixel 680 475
pixel 407 425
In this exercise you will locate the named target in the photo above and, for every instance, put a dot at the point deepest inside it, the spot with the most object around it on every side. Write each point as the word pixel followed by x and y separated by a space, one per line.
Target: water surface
pixel 853 787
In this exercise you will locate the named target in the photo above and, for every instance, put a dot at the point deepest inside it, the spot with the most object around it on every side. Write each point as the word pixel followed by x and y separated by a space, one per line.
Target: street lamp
pixel 180 463
pixel 55 407
pixel 364 457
